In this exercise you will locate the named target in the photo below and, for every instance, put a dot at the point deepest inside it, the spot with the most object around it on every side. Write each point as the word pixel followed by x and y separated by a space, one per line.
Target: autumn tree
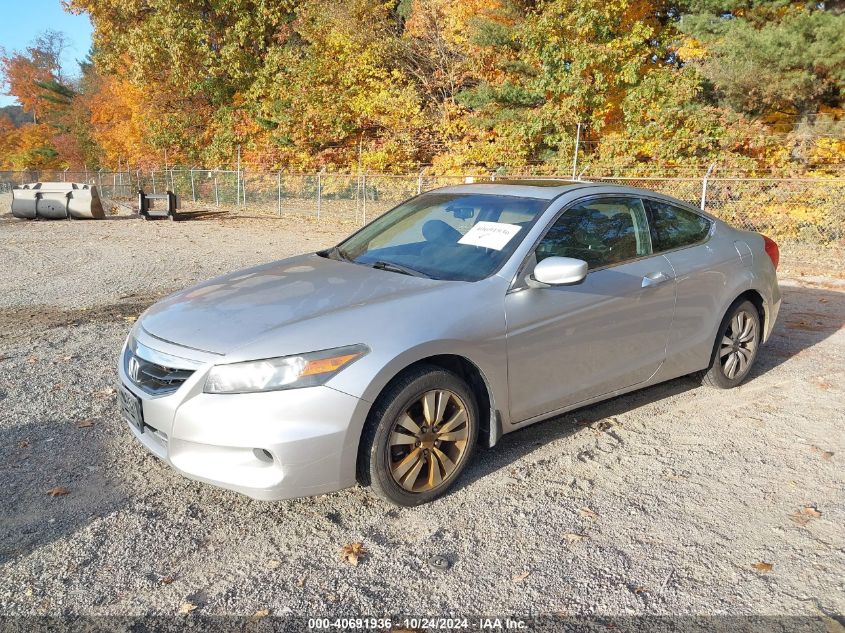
pixel 473 85
pixel 29 75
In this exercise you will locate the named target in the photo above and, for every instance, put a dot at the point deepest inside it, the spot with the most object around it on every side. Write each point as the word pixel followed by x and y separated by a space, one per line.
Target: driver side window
pixel 601 231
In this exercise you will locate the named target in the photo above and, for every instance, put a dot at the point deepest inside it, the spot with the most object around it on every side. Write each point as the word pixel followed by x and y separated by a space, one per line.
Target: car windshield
pixel 453 236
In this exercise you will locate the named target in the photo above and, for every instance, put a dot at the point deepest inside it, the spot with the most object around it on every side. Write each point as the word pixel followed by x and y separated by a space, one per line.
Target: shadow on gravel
pixel 189 216
pixel 31 319
pixel 108 218
pixel 807 317
pixel 517 445
pixel 111 218
pixel 34 459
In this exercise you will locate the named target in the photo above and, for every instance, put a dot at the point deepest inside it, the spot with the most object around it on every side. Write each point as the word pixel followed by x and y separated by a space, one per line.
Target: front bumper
pixel 268 446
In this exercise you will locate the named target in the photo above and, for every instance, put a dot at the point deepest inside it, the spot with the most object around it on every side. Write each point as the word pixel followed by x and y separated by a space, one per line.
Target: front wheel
pixel 736 347
pixel 419 436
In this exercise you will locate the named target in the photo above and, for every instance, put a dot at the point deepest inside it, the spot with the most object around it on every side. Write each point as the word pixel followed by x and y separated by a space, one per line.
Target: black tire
pixel 375 454
pixel 718 375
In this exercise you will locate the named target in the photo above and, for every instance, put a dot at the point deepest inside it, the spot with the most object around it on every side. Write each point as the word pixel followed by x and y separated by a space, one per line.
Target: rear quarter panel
pixel 708 277
pixel 765 279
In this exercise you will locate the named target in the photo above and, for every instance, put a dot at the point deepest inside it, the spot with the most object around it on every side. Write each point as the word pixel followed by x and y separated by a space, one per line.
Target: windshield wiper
pixel 399 268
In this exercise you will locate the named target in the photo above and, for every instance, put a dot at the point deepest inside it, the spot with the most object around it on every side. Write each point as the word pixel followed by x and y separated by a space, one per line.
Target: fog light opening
pixel 263 455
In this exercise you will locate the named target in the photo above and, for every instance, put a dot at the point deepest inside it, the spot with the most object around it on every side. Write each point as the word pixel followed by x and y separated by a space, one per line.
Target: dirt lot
pixel 673 500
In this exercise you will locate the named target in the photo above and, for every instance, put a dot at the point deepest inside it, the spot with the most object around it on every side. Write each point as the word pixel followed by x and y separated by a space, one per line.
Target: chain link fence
pixel 804 213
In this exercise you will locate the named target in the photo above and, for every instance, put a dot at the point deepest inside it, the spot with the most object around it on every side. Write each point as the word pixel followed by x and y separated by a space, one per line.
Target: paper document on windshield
pixel 495 235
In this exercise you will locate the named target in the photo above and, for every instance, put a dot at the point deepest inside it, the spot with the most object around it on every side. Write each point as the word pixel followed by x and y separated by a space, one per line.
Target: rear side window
pixel 674 227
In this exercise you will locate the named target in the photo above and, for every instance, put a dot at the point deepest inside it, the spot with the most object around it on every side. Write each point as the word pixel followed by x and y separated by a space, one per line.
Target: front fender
pixel 491 367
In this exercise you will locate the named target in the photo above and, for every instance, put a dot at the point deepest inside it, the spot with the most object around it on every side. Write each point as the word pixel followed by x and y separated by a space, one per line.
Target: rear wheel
pixel 736 347
pixel 419 437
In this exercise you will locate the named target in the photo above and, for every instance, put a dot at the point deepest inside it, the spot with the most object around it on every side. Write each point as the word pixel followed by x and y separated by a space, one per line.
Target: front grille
pixel 156 380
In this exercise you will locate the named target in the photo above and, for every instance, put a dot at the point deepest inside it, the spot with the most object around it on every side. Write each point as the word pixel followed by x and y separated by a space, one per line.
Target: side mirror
pixel 559 271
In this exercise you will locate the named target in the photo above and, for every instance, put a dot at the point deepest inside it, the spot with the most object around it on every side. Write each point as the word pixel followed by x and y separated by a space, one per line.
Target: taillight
pixel 772 250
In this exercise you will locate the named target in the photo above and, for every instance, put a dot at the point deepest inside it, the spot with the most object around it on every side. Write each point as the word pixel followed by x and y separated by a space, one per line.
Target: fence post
pixel 575 156
pixel 279 188
pixel 319 193
pixel 64 174
pixel 704 185
pixel 357 193
pixel 153 176
pixel 243 189
pixel 100 179
pixel 193 188
pixel 419 182
pixel 238 179
pixel 216 192
pixel 364 189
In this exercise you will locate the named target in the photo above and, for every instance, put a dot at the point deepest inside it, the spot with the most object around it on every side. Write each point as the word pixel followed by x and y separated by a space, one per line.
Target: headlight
pixel 285 372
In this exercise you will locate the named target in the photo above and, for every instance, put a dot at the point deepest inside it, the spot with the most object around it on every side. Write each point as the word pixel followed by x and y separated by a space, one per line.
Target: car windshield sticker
pixel 493 235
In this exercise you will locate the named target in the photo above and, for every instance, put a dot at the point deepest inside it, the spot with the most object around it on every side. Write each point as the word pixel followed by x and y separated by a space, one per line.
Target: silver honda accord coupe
pixel 462 314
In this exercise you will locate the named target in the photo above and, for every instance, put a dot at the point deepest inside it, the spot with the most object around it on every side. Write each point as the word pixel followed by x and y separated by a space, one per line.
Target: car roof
pixel 551 188
pixel 545 189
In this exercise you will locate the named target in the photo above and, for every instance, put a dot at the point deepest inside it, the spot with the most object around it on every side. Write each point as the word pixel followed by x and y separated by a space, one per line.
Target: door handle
pixel 655 279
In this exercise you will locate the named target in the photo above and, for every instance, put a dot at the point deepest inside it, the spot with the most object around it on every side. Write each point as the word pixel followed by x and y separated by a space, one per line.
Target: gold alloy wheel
pixel 428 441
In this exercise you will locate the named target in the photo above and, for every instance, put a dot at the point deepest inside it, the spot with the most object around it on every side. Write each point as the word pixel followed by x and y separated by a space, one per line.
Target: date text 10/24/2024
pixel 416 623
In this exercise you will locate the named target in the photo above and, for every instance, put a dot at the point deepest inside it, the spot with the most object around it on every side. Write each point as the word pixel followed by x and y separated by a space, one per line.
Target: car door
pixel 702 268
pixel 567 344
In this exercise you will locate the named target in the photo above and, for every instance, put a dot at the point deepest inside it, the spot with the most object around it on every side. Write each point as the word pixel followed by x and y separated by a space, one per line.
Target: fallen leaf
pixel 87 423
pixel 763 568
pixel 639 590
pixel 24 444
pixel 274 564
pixel 351 552
pixel 588 514
pixel 67 358
pixel 806 325
pixel 131 319
pixel 167 580
pixel 522 576
pixel 58 491
pixel 804 515
pixel 300 582
pixel 261 613
pixel 825 455
pixel 571 537
pixel 604 425
pixel 105 392
pixel 822 300
pixel 186 608
pixel 32 360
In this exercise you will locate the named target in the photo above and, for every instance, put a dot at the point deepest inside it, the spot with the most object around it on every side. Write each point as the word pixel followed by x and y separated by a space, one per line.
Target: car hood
pixel 228 312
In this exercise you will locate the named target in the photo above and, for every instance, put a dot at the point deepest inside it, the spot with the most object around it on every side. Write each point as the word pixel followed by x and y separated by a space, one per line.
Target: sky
pixel 24 20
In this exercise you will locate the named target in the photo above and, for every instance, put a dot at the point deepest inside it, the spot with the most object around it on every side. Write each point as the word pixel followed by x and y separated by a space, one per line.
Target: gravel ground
pixel 673 500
